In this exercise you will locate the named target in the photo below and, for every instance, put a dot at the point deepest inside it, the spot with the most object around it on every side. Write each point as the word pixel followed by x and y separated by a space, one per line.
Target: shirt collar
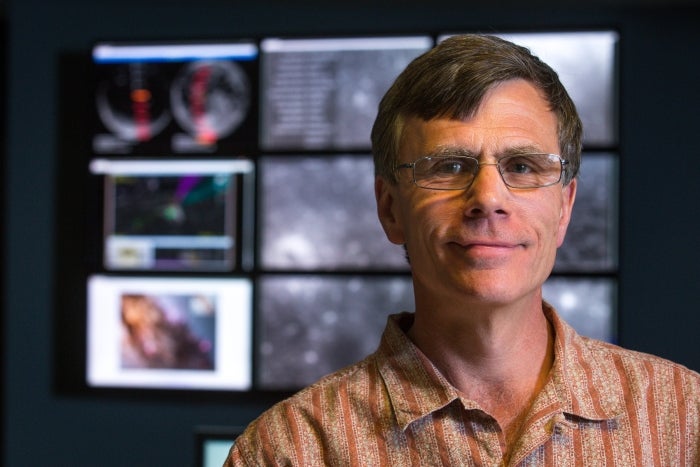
pixel 580 377
pixel 416 388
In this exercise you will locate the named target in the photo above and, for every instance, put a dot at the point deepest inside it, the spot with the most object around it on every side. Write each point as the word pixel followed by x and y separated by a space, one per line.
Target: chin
pixel 499 289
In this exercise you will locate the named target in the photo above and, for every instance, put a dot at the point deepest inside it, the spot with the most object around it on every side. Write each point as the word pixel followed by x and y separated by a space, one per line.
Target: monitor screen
pixel 591 238
pixel 323 93
pixel 311 325
pixel 318 212
pixel 586 62
pixel 173 214
pixel 177 98
pixel 174 333
pixel 588 304
pixel 212 445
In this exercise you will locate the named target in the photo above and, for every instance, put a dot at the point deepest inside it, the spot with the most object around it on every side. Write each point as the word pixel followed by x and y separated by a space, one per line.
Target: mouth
pixel 487 243
pixel 487 248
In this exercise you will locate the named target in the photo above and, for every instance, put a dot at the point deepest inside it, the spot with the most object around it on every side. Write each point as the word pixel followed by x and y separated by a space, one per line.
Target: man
pixel 477 146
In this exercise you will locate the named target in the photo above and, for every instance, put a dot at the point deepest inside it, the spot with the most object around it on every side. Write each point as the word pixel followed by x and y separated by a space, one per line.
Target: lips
pixel 487 243
pixel 486 249
pixel 489 249
pixel 481 244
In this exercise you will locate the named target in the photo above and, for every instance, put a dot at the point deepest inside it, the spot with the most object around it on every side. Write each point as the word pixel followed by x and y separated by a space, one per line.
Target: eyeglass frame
pixel 412 165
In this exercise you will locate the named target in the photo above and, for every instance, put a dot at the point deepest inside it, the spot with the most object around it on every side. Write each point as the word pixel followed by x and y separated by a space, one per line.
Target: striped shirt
pixel 602 405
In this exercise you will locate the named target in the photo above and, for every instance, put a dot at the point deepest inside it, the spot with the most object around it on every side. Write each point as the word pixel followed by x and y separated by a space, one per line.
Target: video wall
pixel 238 244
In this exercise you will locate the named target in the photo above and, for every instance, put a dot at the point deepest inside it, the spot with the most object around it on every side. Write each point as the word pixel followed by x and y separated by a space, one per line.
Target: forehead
pixel 512 114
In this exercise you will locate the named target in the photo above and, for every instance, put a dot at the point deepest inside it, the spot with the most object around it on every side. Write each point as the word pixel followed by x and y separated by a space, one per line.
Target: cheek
pixel 545 224
pixel 425 218
pixel 433 213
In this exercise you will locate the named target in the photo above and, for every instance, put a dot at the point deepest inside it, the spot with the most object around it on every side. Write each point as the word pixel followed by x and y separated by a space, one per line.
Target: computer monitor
pixel 212 444
pixel 175 215
pixel 169 332
pixel 322 93
pixel 182 98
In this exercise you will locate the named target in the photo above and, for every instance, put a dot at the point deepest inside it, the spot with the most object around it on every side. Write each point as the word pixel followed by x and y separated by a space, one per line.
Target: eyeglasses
pixel 458 172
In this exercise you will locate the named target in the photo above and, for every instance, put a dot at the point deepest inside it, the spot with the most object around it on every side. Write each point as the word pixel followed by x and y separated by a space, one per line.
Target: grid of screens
pixel 240 247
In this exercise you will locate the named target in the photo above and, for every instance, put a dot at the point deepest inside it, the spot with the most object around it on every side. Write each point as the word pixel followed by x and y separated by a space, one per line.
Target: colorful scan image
pixel 168 331
pixel 171 205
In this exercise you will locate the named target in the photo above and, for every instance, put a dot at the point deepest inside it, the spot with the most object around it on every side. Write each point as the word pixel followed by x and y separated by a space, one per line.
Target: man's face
pixel 488 244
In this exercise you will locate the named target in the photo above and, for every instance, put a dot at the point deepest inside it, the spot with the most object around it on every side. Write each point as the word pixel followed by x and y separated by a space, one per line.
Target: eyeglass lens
pixel 457 172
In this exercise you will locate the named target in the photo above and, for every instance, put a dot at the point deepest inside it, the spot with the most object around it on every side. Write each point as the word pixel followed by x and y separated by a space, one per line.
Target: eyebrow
pixel 449 151
pixel 524 149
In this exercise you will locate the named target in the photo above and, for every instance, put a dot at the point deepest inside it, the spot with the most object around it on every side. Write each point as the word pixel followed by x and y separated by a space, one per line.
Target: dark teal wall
pixel 660 172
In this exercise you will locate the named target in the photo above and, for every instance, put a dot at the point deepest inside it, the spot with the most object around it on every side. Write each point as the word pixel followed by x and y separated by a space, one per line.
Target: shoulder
pixel 304 420
pixel 633 357
pixel 610 367
pixel 330 386
pixel 643 369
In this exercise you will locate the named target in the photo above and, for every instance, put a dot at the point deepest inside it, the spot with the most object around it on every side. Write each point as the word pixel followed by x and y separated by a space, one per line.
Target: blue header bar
pixel 122 53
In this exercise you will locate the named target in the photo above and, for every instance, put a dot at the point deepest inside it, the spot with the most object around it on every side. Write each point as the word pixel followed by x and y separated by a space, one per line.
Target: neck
pixel 499 358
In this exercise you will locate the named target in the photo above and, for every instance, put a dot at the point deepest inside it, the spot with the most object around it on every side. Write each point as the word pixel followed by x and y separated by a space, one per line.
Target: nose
pixel 487 194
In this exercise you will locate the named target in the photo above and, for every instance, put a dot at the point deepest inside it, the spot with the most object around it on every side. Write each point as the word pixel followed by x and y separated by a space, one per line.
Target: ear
pixel 388 209
pixel 567 206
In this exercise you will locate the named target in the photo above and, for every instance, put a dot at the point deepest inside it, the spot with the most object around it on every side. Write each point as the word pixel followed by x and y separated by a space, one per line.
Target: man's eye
pixel 522 165
pixel 521 168
pixel 449 167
